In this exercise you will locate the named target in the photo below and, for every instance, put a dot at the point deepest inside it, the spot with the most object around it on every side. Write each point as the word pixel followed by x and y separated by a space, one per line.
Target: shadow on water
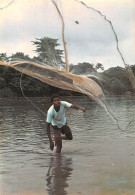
pixel 58 174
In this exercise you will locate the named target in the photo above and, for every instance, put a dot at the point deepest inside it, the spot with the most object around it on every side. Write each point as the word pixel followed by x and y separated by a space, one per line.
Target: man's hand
pixel 51 145
pixel 82 109
pixel 49 136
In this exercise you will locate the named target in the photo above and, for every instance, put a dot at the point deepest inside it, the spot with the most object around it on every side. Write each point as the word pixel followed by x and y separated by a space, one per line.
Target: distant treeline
pixel 113 81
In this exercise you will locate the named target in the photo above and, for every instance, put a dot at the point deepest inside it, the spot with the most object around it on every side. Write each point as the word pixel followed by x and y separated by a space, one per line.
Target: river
pixel 100 160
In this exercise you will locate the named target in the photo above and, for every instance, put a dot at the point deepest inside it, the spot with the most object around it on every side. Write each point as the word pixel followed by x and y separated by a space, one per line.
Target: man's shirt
pixel 58 118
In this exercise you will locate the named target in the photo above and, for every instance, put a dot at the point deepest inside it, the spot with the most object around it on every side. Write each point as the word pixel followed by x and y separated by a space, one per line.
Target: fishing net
pixel 59 78
pixel 81 34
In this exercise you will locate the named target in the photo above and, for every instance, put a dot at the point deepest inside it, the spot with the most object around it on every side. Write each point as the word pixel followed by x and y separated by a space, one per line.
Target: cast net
pixel 63 33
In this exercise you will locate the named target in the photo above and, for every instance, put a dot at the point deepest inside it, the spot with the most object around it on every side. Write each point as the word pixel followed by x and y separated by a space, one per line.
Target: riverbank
pixel 113 81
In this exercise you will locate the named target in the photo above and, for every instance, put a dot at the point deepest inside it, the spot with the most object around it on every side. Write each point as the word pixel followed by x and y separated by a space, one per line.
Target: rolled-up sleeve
pixel 66 104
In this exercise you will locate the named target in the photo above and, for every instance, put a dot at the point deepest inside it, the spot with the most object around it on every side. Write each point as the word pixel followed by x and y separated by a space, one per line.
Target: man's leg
pixel 58 139
pixel 67 131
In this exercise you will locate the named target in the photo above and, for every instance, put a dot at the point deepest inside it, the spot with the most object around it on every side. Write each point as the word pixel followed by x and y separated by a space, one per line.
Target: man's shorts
pixel 64 130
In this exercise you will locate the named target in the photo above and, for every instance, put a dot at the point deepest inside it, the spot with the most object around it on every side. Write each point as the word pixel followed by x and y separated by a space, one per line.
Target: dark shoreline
pixel 113 81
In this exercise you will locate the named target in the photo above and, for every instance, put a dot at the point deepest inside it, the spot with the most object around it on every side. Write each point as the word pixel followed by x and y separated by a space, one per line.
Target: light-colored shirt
pixel 58 118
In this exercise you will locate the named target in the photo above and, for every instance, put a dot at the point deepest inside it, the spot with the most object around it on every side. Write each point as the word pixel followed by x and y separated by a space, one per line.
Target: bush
pixel 117 87
pixel 2 82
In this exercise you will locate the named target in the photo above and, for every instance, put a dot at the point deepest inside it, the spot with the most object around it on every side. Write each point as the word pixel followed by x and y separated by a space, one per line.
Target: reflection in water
pixel 60 169
pixel 102 157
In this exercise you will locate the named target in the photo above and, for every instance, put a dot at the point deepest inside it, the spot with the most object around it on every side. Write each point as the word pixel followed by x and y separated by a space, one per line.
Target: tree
pixel 99 66
pixel 131 77
pixel 20 55
pixel 115 80
pixel 83 68
pixel 3 56
pixel 47 52
pixel 133 68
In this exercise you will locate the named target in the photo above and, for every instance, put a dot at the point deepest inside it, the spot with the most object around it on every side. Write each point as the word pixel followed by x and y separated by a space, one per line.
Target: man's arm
pixel 78 107
pixel 49 136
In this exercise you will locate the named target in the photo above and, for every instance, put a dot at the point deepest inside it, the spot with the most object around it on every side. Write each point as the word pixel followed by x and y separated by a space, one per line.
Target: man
pixel 56 117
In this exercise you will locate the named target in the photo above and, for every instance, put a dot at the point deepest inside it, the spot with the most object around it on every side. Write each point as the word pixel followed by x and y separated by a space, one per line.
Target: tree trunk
pixel 131 77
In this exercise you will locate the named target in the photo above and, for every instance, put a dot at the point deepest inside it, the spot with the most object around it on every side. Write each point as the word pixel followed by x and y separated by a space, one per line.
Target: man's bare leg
pixel 58 140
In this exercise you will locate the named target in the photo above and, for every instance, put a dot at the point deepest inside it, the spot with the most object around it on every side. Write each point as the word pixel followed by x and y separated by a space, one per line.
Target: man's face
pixel 56 101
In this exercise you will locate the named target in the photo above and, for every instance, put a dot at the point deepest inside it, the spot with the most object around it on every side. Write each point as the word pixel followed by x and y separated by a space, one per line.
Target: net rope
pixel 10 3
pixel 51 75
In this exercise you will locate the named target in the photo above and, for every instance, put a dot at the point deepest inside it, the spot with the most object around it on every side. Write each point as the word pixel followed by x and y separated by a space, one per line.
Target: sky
pixel 88 36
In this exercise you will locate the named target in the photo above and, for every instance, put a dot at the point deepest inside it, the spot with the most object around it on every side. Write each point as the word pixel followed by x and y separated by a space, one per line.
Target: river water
pixel 99 160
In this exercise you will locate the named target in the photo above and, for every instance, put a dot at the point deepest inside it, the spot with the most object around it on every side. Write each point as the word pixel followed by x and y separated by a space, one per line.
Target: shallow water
pixel 99 160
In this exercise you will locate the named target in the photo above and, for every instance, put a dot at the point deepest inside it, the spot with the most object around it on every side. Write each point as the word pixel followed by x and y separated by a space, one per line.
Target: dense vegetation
pixel 113 80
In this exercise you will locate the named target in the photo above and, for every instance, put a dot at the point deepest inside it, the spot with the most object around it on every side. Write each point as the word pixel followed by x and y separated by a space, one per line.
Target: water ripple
pixel 98 147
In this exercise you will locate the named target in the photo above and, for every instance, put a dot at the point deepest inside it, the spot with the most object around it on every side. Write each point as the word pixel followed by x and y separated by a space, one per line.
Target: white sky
pixel 91 40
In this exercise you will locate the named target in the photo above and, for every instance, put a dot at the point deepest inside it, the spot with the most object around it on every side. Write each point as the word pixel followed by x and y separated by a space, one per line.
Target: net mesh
pixel 59 78
pixel 81 37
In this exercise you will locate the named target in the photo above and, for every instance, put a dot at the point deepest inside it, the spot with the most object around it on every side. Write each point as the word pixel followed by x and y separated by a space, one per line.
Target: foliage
pixel 133 68
pixel 47 52
pixel 115 80
pixel 20 55
pixel 99 66
pixel 3 56
pixel 117 86
pixel 82 68
pixel 2 82
pixel 7 92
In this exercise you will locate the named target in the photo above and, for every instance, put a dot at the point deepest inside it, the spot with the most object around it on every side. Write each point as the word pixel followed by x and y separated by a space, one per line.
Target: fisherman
pixel 56 118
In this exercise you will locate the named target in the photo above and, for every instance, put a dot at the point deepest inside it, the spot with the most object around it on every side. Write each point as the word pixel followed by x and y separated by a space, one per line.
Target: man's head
pixel 55 100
